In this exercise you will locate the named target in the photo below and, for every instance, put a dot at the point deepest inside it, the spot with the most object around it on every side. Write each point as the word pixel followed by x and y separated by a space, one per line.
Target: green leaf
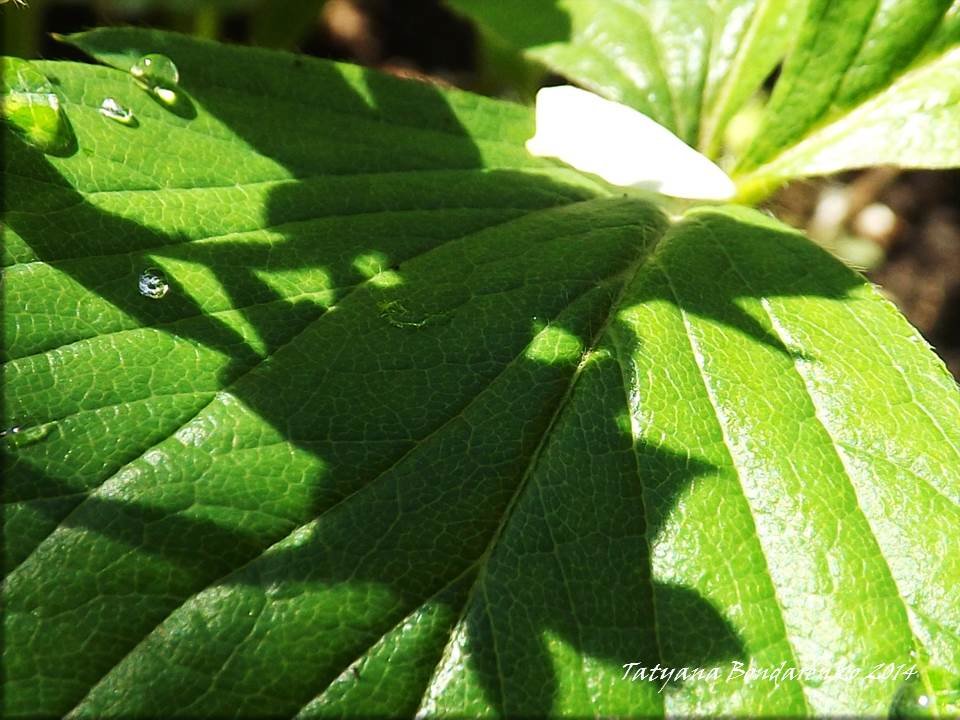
pixel 750 39
pixel 866 85
pixel 913 123
pixel 947 34
pixel 689 65
pixel 424 423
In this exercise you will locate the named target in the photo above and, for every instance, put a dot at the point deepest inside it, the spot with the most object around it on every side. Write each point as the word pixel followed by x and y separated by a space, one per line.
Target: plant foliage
pixel 423 423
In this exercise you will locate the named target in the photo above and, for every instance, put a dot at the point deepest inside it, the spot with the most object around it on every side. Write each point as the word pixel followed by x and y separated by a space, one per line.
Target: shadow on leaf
pixel 336 471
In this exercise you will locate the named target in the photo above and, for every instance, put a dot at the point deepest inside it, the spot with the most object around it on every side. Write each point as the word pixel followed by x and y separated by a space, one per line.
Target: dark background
pixel 901 228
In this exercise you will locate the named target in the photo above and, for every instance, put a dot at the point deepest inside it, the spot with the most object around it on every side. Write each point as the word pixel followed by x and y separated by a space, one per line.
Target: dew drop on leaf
pixel 110 108
pixel 158 74
pixel 910 702
pixel 18 436
pixel 934 694
pixel 153 283
pixel 32 108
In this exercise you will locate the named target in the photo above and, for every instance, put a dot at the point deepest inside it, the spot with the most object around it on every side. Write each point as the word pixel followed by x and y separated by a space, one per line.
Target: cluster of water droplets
pixel 32 107
pixel 155 73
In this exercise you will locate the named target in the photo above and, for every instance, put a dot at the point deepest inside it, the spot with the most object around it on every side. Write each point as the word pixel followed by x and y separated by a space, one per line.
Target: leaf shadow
pixel 724 264
pixel 391 570
pixel 422 501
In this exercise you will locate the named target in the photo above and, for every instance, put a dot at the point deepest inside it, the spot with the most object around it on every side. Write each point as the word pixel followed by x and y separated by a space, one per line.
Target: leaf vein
pixel 367 484
pixel 697 353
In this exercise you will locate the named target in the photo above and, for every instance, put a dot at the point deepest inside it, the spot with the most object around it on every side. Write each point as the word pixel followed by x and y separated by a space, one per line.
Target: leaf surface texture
pixel 426 424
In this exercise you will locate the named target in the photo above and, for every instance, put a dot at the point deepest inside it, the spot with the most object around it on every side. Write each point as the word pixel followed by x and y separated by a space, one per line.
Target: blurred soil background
pixel 901 228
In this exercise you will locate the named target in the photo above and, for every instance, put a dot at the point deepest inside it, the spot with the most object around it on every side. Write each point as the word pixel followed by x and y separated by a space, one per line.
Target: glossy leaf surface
pixel 423 423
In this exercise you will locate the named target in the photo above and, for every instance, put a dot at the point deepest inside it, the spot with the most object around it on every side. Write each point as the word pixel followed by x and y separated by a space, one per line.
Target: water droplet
pixel 110 108
pixel 158 74
pixel 934 693
pixel 32 108
pixel 153 283
pixel 18 436
pixel 910 701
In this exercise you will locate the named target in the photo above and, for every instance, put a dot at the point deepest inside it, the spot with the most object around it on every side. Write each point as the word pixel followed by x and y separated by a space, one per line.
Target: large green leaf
pixel 869 83
pixel 687 65
pixel 426 423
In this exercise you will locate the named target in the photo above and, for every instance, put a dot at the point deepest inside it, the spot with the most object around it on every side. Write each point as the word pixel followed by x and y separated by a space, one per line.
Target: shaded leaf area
pixel 427 424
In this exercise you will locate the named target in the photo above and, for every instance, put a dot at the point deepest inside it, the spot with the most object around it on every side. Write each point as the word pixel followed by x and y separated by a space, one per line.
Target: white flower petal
pixel 623 146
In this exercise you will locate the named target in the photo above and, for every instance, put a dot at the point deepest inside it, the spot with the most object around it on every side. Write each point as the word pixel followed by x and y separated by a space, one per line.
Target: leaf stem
pixel 206 21
pixel 754 189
